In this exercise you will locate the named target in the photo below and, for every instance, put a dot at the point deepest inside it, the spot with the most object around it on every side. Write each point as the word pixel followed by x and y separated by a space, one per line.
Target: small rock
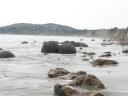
pixel 106 55
pixel 24 42
pixel 101 62
pixel 108 52
pixel 125 51
pixel 93 40
pixel 53 73
pixel 89 53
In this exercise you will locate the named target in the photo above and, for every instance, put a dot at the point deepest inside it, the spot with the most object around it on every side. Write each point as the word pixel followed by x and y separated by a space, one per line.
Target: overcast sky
pixel 90 14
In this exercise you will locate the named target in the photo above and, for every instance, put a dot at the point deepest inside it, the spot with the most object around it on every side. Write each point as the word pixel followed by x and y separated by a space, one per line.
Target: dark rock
pixel 108 52
pixel 53 73
pixel 67 48
pixel 59 90
pixel 106 55
pixel 125 51
pixel 6 54
pixel 89 53
pixel 50 47
pixel 81 48
pixel 99 94
pixel 101 62
pixel 24 42
pixel 93 40
pixel 1 49
pixel 106 43
pixel 76 44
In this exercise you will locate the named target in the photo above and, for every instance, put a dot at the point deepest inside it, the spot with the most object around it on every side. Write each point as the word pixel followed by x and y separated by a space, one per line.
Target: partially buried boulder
pixel 6 54
pixel 50 47
pixel 67 48
pixel 102 62
pixel 53 73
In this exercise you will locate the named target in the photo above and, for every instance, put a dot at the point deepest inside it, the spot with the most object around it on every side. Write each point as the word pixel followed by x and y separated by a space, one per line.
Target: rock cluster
pixel 54 47
pixel 80 79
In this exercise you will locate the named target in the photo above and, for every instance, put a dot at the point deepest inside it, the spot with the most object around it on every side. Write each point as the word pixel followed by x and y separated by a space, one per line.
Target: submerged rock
pixel 6 54
pixel 101 62
pixel 50 47
pixel 53 73
pixel 67 48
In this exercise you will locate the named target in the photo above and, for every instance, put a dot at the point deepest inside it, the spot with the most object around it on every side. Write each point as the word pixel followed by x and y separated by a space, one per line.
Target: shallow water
pixel 26 75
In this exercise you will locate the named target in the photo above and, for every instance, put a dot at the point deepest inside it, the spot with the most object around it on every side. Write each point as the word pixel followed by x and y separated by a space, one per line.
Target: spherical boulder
pixel 6 54
pixel 50 47
pixel 67 48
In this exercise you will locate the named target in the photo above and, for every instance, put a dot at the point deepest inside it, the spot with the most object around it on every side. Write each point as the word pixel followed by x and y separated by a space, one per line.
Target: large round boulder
pixel 53 73
pixel 89 82
pixel 6 54
pixel 50 47
pixel 67 48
